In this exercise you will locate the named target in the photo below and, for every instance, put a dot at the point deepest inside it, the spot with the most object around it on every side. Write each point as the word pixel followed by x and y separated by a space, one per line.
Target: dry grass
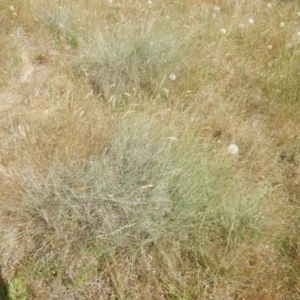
pixel 115 123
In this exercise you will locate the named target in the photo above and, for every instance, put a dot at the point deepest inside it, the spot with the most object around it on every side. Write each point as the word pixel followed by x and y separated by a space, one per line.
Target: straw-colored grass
pixel 149 150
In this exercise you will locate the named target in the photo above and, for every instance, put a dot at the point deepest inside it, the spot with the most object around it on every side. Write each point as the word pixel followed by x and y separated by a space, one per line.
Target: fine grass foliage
pixel 134 59
pixel 149 150
pixel 140 196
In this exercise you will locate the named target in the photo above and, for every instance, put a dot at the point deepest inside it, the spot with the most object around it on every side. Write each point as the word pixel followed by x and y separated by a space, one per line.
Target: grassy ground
pixel 149 151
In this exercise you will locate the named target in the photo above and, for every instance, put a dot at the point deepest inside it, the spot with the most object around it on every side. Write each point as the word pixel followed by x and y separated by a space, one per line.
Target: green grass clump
pixel 141 197
pixel 135 59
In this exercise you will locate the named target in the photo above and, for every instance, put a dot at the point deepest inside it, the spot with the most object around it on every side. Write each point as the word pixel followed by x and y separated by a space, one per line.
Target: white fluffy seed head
pixel 233 149
pixel 172 76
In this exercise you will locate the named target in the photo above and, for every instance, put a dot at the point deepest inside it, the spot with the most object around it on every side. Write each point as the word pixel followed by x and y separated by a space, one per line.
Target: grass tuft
pixel 134 60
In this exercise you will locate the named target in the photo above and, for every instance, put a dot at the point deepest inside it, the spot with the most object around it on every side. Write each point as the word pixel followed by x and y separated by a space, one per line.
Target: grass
pixel 117 182
pixel 130 60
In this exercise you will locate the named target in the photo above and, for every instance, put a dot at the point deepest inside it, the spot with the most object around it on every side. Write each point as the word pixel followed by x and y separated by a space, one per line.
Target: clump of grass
pixel 135 58
pixel 140 197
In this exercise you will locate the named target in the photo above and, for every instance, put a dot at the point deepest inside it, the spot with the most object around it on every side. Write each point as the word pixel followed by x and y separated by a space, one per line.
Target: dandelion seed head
pixel 223 30
pixel 11 8
pixel 250 21
pixel 172 76
pixel 298 34
pixel 233 149
pixel 241 25
pixel 149 2
pixel 281 24
pixel 269 5
pixel 269 47
pixel 298 13
pixel 217 8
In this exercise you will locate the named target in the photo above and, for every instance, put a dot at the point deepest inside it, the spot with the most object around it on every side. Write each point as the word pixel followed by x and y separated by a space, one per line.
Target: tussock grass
pixel 135 59
pixel 140 196
pixel 116 180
